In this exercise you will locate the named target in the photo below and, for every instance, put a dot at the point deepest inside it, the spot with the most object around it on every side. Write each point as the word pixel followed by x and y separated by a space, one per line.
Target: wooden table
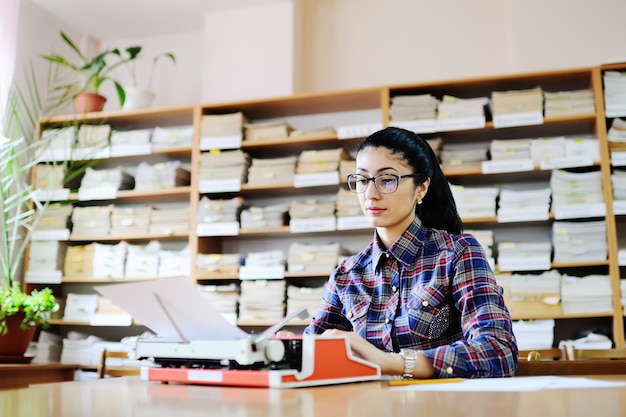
pixel 131 396
pixel 23 375
pixel 579 367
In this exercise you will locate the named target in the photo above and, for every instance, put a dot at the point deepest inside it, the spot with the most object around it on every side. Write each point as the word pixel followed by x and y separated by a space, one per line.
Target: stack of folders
pixel 224 298
pixel 80 307
pixel 547 149
pixel 142 261
pixel 304 257
pixel 91 220
pixel 517 101
pixel 222 125
pixel 267 131
pixel 618 181
pixel 220 210
pixel 524 256
pixel 614 93
pixel 413 107
pixel 582 146
pixel 163 175
pixel 579 241
pixel 256 217
pixel 509 149
pixel 57 144
pixel 310 209
pixel 323 160
pixel 174 262
pixel 109 259
pixel 347 204
pixel 115 178
pixel 169 218
pixel 262 300
pixel 219 262
pixel 272 171
pixel 172 137
pixel 45 261
pixel 485 239
pixel 565 103
pixel 451 107
pixel 534 334
pixel 299 297
pixel 125 142
pixel 224 165
pixel 530 289
pixel 269 258
pixel 475 201
pixel 587 294
pixel 93 141
pixel 130 220
pixel 464 156
pixel 54 218
pixel 78 265
pixel 575 188
pixel 49 177
pixel 524 201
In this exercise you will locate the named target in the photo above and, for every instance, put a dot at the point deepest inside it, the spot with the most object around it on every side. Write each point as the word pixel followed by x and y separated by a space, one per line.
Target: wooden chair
pixel 542 354
pixel 105 370
pixel 574 354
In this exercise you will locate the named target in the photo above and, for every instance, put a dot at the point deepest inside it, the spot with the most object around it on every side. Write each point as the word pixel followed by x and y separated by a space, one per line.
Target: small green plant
pixel 37 307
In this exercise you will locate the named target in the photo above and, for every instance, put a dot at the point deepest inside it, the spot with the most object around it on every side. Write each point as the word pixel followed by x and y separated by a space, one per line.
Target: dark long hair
pixel 438 209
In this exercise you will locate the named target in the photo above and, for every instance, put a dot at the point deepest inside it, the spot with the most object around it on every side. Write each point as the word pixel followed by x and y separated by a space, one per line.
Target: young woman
pixel 420 300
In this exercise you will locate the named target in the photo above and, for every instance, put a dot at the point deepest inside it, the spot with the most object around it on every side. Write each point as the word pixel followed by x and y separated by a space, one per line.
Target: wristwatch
pixel 409 355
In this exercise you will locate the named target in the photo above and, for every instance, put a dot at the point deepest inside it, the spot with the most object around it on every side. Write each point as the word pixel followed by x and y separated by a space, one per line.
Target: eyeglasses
pixel 384 183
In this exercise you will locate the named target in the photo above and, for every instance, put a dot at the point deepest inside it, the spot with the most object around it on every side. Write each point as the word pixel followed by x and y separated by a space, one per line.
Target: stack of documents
pixel 413 107
pixel 569 188
pixel 272 170
pixel 131 142
pixel 472 202
pixel 174 263
pixel 464 156
pixel 91 220
pixel 45 261
pixel 528 292
pixel 266 131
pixel 509 149
pixel 81 349
pixel 224 298
pixel 485 239
pixel 219 126
pixel 517 101
pixel 347 204
pixel 308 209
pixel 590 341
pixel 169 218
pixel 108 313
pixel 163 175
pixel 218 262
pixel 49 177
pixel 318 132
pixel 617 130
pixel 262 300
pixel 57 144
pixel 299 297
pixel 614 93
pixel 524 256
pixel 582 146
pixel 547 149
pixel 461 108
pixel 524 201
pixel 53 222
pixel 304 257
pixel 114 178
pixel 142 261
pixel 130 220
pixel 256 217
pixel 618 180
pixel 269 258
pixel 565 103
pixel 346 168
pixel 219 210
pixel 579 241
pixel 80 307
pixel 324 160
pixel 588 294
pixel 534 334
pixel 109 260
pixel 172 137
pixel 225 165
pixel 78 265
pixel 93 142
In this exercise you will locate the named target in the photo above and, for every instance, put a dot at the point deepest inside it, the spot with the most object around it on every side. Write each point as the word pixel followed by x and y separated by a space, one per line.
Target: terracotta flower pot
pixel 88 102
pixel 16 341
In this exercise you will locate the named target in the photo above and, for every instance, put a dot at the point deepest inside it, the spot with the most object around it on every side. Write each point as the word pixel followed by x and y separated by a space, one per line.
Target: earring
pixel 419 202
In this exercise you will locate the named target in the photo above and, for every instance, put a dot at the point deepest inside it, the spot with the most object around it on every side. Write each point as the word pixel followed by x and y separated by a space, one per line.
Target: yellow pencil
pixel 423 381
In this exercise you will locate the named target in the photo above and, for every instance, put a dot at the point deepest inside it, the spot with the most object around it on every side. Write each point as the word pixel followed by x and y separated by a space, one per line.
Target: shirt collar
pixel 405 247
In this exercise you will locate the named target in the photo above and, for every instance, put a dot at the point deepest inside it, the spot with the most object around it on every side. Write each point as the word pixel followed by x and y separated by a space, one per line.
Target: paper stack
pixel 524 201
pixel 618 180
pixel 57 144
pixel 304 257
pixel 49 177
pixel 130 220
pixel 78 264
pixel 219 210
pixel 93 142
pixel 91 220
pixel 319 132
pixel 534 334
pixel 575 188
pixel 533 293
pixel 226 165
pixel 45 261
pixel 464 156
pixel 617 130
pixel 579 241
pixel 215 126
pixel 53 220
pixel 256 217
pixel 517 101
pixel 472 202
pixel 172 137
pixel 163 175
pixel 80 307
pixel 547 149
pixel 109 260
pixel 174 263
pixel 219 262
pixel 509 149
pixel 588 294
pixel 451 107
pixel 266 131
pixel 224 298
pixel 272 170
pixel 169 218
pixel 524 256
pixel 299 297
pixel 614 93
pixel 413 107
pixel 565 103
pixel 324 160
pixel 114 178
pixel 582 146
pixel 347 204
pixel 142 261
pixel 262 300
pixel 131 142
pixel 308 209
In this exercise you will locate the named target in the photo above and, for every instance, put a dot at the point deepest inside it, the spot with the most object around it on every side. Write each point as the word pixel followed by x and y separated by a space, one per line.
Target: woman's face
pixel 391 213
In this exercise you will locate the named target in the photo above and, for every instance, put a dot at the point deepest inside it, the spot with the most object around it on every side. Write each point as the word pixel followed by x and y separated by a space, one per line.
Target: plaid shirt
pixel 433 291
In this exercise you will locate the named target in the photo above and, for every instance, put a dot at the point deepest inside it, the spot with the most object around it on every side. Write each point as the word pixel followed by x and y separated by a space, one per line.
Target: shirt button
pixel 350 315
pixel 387 321
pixel 449 370
pixel 387 255
pixel 394 288
pixel 425 303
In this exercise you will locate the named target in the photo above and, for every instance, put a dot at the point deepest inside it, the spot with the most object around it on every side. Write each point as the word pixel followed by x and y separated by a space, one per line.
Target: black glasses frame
pixel 353 177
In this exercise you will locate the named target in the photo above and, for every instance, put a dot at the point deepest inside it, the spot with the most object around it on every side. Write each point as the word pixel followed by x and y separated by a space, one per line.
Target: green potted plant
pixel 141 96
pixel 91 73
